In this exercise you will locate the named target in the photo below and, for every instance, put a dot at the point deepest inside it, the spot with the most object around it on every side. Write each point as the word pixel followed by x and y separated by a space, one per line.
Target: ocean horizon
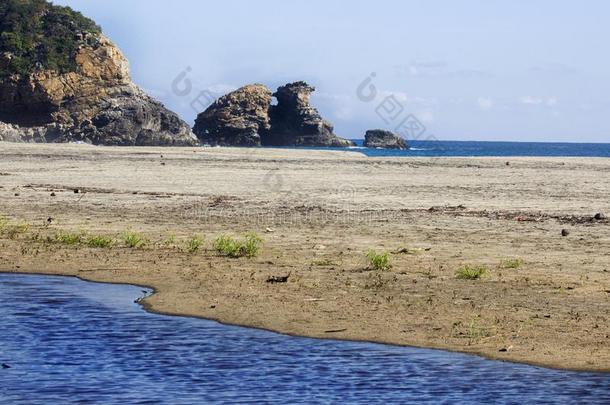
pixel 489 149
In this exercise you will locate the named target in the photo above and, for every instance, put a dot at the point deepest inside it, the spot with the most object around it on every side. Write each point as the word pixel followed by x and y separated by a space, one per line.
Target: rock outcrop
pixel 246 117
pixel 380 139
pixel 86 95
pixel 294 122
pixel 239 118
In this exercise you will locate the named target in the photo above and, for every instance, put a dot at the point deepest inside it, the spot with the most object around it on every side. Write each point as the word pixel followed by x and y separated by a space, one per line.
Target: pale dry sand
pixel 324 209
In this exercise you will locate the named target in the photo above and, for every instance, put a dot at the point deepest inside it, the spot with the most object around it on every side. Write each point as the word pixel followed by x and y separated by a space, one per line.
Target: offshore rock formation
pixel 236 119
pixel 86 95
pixel 246 117
pixel 294 122
pixel 377 138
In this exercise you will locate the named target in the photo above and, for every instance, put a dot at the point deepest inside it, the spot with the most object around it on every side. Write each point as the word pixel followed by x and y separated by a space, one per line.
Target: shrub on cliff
pixel 38 34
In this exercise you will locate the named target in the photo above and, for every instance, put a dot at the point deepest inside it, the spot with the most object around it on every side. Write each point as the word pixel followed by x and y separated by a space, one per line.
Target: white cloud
pixel 529 100
pixel 426 116
pixel 552 101
pixel 485 103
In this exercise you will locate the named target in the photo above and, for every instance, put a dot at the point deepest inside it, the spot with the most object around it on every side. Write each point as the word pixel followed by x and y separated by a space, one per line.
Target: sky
pixel 519 70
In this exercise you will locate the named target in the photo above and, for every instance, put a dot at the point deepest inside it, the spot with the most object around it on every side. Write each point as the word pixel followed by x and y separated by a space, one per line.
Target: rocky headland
pixel 62 80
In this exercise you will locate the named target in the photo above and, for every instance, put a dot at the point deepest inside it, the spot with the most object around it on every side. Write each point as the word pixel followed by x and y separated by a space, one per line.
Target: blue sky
pixel 535 70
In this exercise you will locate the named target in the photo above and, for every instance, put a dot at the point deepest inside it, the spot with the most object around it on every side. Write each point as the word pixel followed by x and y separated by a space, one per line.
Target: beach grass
pixel 11 231
pixel 170 241
pixel 468 272
pixel 68 238
pixel 378 261
pixel 134 240
pixel 100 241
pixel 194 244
pixel 512 263
pixel 249 246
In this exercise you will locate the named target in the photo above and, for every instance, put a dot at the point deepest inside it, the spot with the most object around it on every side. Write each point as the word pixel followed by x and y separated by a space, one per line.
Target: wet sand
pixel 318 212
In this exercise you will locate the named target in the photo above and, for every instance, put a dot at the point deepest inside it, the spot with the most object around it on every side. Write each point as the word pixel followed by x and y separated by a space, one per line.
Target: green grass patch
pixel 511 263
pixel 100 241
pixel 170 241
pixel 68 238
pixel 378 261
pixel 194 244
pixel 12 231
pixel 249 246
pixel 471 272
pixel 134 240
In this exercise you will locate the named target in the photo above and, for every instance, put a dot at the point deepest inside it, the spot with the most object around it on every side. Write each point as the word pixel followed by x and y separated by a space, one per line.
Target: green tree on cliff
pixel 37 34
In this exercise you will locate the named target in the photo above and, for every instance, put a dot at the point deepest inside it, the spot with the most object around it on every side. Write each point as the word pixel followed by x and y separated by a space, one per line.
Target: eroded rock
pixel 294 122
pixel 381 139
pixel 239 118
pixel 246 117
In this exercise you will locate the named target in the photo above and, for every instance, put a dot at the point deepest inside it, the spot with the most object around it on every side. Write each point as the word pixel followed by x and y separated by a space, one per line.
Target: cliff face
pixel 246 117
pixel 86 96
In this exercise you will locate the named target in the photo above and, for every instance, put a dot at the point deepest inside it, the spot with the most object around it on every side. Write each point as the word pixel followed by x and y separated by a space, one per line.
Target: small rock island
pixel 380 139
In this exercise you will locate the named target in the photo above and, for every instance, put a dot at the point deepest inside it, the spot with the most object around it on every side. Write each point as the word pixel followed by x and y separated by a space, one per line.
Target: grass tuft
pixel 471 272
pixel 170 241
pixel 13 230
pixel 68 238
pixel 378 261
pixel 512 263
pixel 249 246
pixel 134 240
pixel 194 244
pixel 100 241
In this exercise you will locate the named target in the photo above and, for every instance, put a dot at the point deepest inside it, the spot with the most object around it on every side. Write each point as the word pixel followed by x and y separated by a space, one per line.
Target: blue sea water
pixel 67 341
pixel 498 149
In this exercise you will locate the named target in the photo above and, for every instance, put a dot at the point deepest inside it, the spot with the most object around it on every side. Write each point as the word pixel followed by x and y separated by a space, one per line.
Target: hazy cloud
pixel 485 103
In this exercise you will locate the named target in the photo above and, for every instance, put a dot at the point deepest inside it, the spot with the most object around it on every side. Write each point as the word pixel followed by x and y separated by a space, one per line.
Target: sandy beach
pixel 545 298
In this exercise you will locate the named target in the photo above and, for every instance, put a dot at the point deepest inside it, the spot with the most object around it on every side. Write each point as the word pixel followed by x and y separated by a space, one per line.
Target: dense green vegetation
pixel 36 33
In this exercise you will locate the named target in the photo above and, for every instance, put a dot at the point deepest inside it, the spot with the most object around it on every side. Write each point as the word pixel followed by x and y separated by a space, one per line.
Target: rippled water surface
pixel 68 341
pixel 435 148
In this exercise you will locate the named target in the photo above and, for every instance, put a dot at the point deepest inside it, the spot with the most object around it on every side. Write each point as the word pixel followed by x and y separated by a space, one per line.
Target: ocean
pixel 497 149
